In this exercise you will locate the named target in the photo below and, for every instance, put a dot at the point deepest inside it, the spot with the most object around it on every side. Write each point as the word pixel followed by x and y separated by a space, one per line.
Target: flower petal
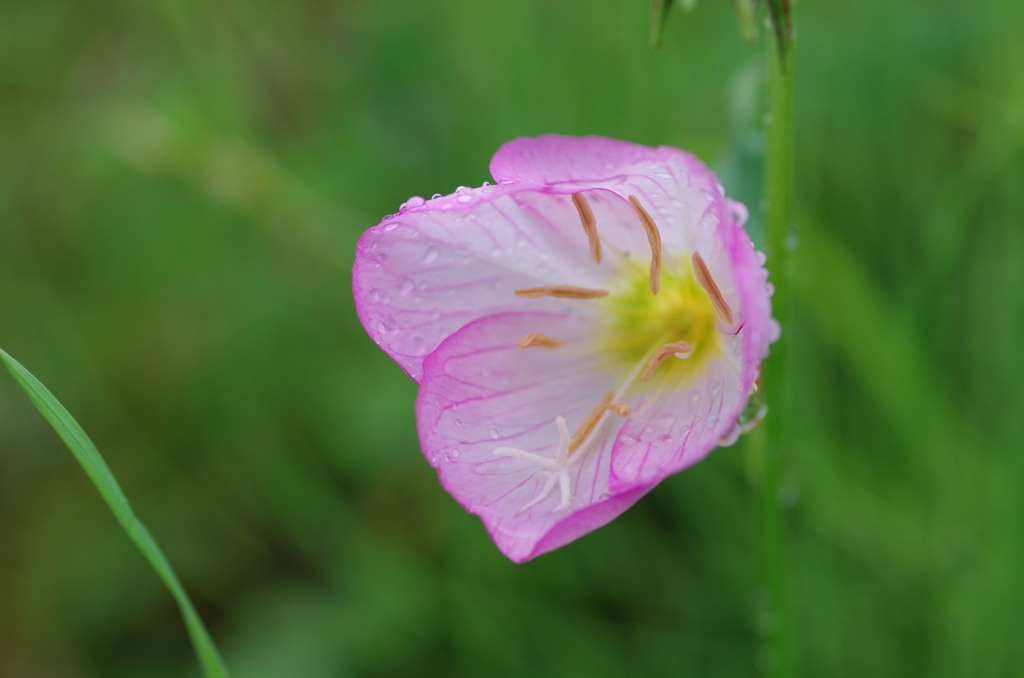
pixel 677 425
pixel 480 392
pixel 427 271
pixel 553 158
pixel 672 429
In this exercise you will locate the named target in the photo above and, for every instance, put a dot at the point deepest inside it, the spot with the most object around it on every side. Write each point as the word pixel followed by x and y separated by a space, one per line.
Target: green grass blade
pixel 98 471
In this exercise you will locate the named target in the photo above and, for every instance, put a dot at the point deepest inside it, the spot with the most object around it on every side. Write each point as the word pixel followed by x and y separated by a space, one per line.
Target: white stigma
pixel 557 468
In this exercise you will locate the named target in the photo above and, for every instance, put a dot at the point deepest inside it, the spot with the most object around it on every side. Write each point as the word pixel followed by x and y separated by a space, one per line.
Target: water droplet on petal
pixel 374 296
pixel 407 285
pixel 419 347
pixel 684 429
pixel 714 387
pixel 663 438
pixel 455 453
pixel 739 212
pixel 762 258
pixel 774 330
pixel 604 496
pixel 493 433
pixel 435 314
pixel 415 201
pixel 769 288
pixel 430 255
pixel 390 226
pixel 435 196
pixel 665 421
pixel 385 298
pixel 629 439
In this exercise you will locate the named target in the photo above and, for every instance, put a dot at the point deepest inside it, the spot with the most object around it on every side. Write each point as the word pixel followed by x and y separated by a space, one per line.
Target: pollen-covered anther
pixel 590 421
pixel 561 292
pixel 621 409
pixel 589 224
pixel 654 238
pixel 681 349
pixel 700 269
pixel 538 339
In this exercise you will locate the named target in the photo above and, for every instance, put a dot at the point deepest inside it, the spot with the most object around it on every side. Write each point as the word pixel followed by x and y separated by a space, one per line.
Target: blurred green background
pixel 181 187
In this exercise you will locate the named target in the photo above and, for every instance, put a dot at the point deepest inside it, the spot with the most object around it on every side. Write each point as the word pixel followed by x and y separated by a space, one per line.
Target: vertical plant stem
pixel 773 443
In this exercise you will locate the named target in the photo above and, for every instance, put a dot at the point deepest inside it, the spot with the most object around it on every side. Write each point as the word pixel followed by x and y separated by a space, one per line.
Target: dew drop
pixel 762 258
pixel 774 330
pixel 739 212
pixel 415 201
pixel 493 433
pixel 684 429
pixel 486 184
pixel 385 298
pixel 663 438
pixel 435 314
pixel 382 327
pixel 430 255
pixel 419 347
pixel 458 423
pixel 604 496
pixel 769 288
pixel 407 285
pixel 714 387
pixel 629 440
pixel 665 421
pixel 455 453
pixel 374 296
pixel 435 196
pixel 446 458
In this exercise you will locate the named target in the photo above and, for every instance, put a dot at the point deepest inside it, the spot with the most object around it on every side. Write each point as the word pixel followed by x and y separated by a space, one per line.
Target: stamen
pixel 621 409
pixel 706 281
pixel 653 237
pixel 589 224
pixel 561 291
pixel 588 424
pixel 661 355
pixel 538 339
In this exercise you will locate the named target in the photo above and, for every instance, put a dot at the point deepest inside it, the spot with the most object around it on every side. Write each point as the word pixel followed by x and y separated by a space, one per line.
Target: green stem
pixel 778 194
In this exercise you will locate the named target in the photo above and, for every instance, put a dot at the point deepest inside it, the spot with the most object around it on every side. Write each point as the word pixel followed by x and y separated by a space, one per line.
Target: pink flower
pixel 588 326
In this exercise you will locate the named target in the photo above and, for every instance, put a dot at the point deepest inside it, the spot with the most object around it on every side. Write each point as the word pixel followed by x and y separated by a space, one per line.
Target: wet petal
pixel 676 425
pixel 480 392
pixel 427 271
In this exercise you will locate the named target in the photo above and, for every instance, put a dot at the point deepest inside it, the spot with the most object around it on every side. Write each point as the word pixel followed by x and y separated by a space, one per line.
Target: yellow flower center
pixel 638 321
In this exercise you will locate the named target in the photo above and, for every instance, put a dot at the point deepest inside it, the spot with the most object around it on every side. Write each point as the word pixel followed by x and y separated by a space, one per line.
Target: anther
pixel 561 292
pixel 708 283
pixel 588 424
pixel 621 409
pixel 538 339
pixel 682 349
pixel 654 238
pixel 589 224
